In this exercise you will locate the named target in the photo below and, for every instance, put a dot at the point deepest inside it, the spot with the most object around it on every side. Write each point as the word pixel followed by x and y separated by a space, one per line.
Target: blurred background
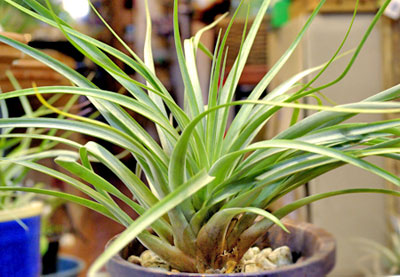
pixel 81 233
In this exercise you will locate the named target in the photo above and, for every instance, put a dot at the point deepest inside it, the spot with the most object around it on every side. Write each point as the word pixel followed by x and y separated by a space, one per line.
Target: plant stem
pixel 171 254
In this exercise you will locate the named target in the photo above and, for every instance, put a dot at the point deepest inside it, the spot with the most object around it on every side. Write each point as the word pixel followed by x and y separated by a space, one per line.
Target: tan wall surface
pixel 347 217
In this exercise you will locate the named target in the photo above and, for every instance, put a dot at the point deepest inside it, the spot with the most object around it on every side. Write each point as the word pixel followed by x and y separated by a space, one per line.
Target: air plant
pixel 206 181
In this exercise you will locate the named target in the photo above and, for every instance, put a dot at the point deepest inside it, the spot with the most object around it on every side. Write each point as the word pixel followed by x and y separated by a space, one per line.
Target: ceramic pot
pixel 50 257
pixel 67 266
pixel 312 247
pixel 20 241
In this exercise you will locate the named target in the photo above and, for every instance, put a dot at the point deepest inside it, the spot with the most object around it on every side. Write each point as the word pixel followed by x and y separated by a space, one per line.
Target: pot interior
pixel 307 242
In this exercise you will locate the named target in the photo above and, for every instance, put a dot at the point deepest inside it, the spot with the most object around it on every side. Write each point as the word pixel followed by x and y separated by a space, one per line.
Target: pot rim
pixel 31 209
pixel 80 265
pixel 326 242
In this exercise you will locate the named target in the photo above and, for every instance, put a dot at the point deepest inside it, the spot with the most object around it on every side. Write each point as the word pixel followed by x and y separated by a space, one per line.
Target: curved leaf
pixel 161 227
pixel 151 215
pixel 66 196
pixel 310 199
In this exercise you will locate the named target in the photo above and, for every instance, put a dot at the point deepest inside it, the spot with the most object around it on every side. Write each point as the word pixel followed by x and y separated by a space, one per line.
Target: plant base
pixel 315 247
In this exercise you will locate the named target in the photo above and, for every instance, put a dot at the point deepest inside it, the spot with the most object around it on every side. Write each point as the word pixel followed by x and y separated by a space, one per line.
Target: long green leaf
pixel 160 227
pixel 310 199
pixel 117 212
pixel 115 115
pixel 259 228
pixel 169 202
pixel 328 118
pixel 149 61
pixel 133 183
pixel 69 197
pixel 263 84
pixel 119 99
pixel 337 134
pixel 194 107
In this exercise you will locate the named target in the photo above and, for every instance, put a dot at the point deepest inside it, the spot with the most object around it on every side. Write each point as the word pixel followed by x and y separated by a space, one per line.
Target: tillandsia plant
pixel 207 182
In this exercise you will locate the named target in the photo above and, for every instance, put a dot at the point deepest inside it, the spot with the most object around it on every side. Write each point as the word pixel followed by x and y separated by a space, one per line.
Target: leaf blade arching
pixel 137 65
pixel 248 237
pixel 341 156
pixel 133 183
pixel 161 227
pixel 81 127
pixel 344 73
pixel 69 197
pixel 262 85
pixel 284 174
pixel 108 109
pixel 327 115
pixel 358 49
pixel 119 99
pixel 155 212
pixel 307 200
pixel 334 134
pixel 177 162
pixel 117 212
pixel 314 121
pixel 92 52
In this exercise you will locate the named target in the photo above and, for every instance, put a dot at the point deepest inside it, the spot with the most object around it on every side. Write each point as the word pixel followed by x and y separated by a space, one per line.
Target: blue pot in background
pixel 67 266
pixel 20 241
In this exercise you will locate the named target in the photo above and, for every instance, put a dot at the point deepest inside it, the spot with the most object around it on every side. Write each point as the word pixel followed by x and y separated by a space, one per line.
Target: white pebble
pixel 134 259
pixel 251 267
pixel 264 263
pixel 251 253
pixel 150 259
pixel 281 256
pixel 265 252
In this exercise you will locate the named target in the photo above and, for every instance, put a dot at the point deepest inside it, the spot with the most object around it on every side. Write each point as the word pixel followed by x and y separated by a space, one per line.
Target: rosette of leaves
pixel 207 181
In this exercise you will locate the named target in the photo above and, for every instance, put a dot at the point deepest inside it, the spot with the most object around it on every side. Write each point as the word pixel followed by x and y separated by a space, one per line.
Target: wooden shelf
pixel 252 74
pixel 333 6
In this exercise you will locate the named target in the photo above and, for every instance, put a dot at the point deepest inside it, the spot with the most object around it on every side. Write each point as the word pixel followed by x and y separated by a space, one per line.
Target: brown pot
pixel 314 246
